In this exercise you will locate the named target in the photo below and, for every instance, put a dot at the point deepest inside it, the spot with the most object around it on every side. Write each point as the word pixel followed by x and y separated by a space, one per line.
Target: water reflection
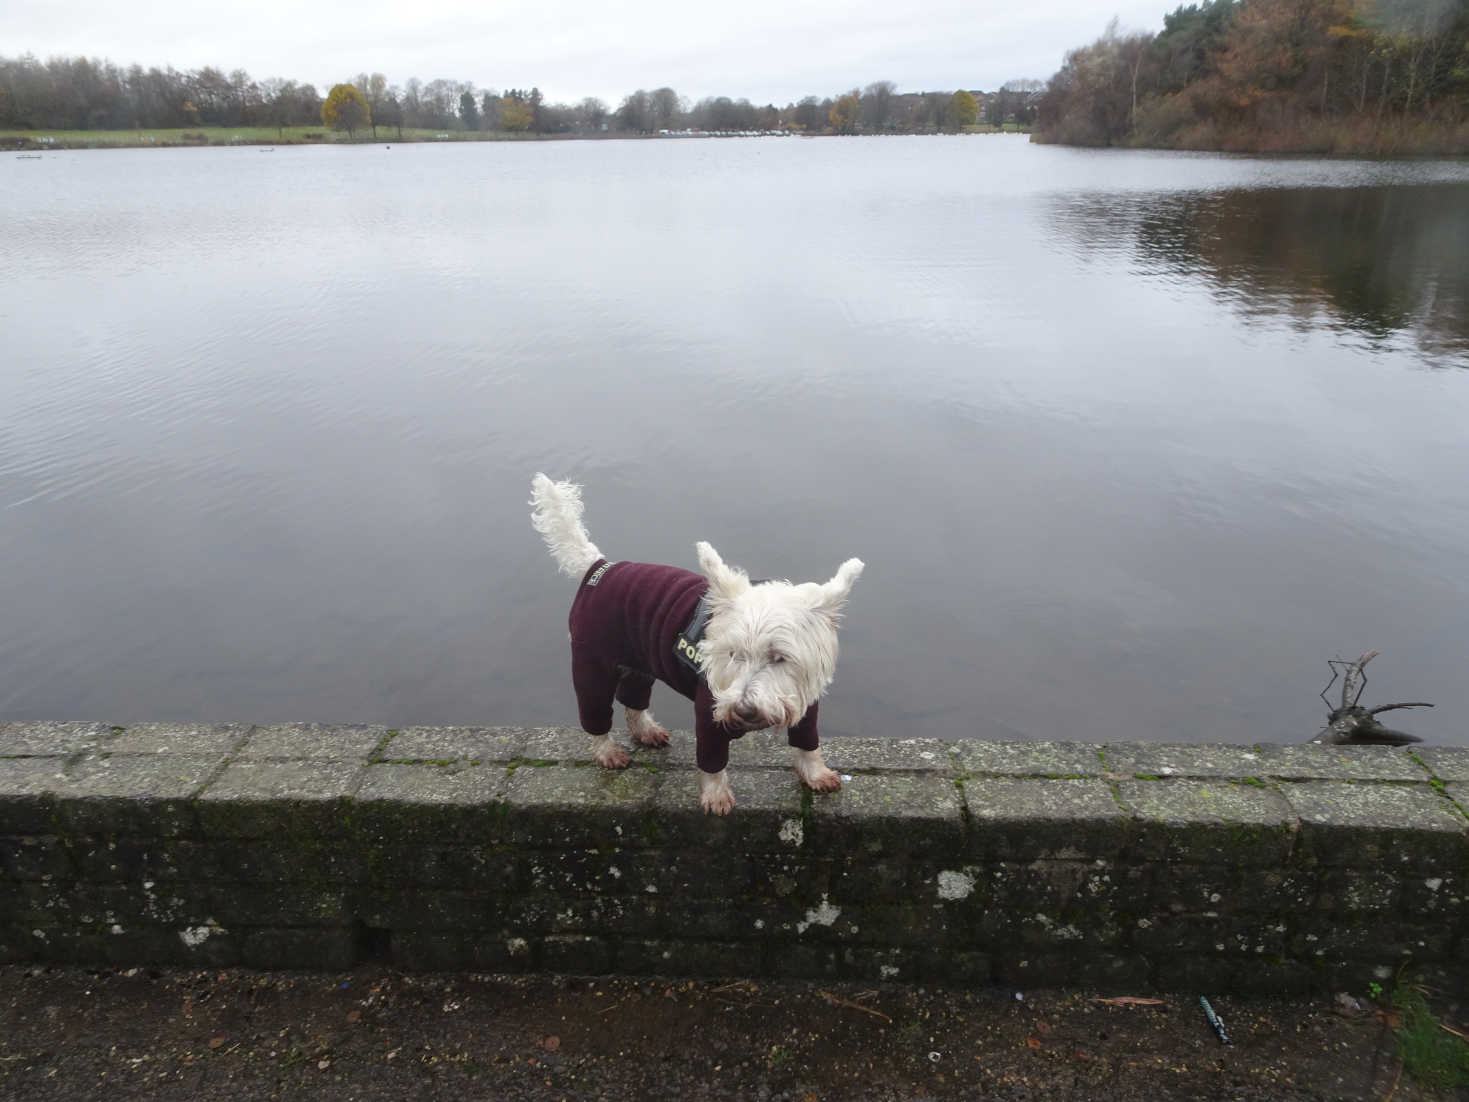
pixel 1382 264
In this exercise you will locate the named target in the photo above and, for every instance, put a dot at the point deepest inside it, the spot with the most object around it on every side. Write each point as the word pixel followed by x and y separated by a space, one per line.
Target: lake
pixel 1131 443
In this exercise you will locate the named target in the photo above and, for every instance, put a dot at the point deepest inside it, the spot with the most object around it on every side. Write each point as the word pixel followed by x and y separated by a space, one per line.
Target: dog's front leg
pixel 715 795
pixel 814 774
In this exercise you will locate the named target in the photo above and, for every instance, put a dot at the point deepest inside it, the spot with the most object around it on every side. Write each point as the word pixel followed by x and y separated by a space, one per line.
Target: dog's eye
pixel 776 658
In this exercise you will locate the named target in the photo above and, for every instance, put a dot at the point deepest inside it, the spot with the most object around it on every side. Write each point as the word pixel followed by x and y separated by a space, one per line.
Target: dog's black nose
pixel 746 714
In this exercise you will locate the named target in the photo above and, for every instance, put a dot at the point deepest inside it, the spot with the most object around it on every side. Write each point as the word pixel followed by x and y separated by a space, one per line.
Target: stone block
pixel 531 916
pixel 191 739
pixel 890 879
pixel 27 786
pixel 1070 931
pixel 1022 817
pixel 769 815
pixel 1447 763
pixel 563 807
pixel 83 906
pixel 54 740
pixel 202 946
pixel 1391 826
pixel 34 857
pixel 1158 760
pixel 714 872
pixel 913 925
pixel 264 799
pixel 277 905
pixel 955 967
pixel 1195 890
pixel 139 795
pixel 1288 891
pixel 1360 891
pixel 457 951
pixel 103 859
pixel 890 755
pixel 1207 822
pixel 886 814
pixel 1426 898
pixel 456 744
pixel 430 804
pixel 465 911
pixel 1364 937
pixel 312 861
pixel 1025 969
pixel 1068 891
pixel 474 868
pixel 876 964
pixel 1109 973
pixel 1029 759
pixel 724 920
pixel 800 962
pixel 1241 937
pixel 1458 794
pixel 1218 976
pixel 313 742
pixel 54 945
pixel 312 948
pixel 1307 762
pixel 698 959
pixel 576 955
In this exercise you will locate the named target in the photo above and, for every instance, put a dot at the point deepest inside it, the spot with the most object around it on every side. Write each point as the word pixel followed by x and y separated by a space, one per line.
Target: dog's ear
pixel 833 594
pixel 724 581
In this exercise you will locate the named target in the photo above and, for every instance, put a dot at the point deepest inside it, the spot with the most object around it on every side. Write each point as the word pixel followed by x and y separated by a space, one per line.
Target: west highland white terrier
pixel 750 655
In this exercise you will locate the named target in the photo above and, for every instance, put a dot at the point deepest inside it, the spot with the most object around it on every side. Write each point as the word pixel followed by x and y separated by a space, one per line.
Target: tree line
pixel 1374 76
pixel 78 93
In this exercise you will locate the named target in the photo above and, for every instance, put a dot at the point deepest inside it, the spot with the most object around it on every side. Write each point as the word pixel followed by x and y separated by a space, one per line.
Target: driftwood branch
pixel 1349 722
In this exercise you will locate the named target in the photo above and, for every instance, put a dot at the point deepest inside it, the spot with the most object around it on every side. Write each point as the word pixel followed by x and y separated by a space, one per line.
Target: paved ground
pixel 375 1034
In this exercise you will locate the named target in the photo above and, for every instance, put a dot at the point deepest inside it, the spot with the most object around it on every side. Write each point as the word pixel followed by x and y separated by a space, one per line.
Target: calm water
pixel 1131 443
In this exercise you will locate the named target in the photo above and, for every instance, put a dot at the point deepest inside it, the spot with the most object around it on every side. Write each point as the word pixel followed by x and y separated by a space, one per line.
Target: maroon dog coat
pixel 634 622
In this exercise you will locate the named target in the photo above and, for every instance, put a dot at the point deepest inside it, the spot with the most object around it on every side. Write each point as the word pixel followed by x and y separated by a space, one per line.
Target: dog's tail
pixel 557 517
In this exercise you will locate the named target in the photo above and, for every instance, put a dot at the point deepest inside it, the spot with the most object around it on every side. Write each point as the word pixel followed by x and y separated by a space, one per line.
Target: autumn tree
pixel 963 109
pixel 515 113
pixel 345 109
pixel 842 118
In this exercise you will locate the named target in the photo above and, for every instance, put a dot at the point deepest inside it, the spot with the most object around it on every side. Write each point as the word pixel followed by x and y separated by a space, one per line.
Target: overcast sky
pixel 762 50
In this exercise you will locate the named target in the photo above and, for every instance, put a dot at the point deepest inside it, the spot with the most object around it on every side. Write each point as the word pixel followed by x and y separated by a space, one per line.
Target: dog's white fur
pixel 768 653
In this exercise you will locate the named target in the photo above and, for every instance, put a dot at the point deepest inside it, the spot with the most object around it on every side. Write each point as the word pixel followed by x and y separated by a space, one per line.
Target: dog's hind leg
pixel 644 729
pixel 595 685
pixel 635 692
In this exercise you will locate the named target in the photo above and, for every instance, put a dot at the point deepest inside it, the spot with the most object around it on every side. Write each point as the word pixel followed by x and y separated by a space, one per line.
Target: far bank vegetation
pixel 1300 76
pixel 96 102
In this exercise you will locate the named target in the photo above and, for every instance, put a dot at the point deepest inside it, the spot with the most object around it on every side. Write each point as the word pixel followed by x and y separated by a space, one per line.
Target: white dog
pixel 751 655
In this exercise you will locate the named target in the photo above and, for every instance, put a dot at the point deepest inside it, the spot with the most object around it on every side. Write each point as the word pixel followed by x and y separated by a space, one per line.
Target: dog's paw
pixel 721 804
pixel 715 795
pixel 826 780
pixel 654 735
pixel 644 729
pixel 609 755
pixel 814 772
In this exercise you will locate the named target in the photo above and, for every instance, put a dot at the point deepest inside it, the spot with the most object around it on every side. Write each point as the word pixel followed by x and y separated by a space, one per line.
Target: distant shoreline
pixel 31 141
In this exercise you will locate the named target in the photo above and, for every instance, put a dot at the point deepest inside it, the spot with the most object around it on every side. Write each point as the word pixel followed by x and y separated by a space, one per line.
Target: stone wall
pixel 1130 866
